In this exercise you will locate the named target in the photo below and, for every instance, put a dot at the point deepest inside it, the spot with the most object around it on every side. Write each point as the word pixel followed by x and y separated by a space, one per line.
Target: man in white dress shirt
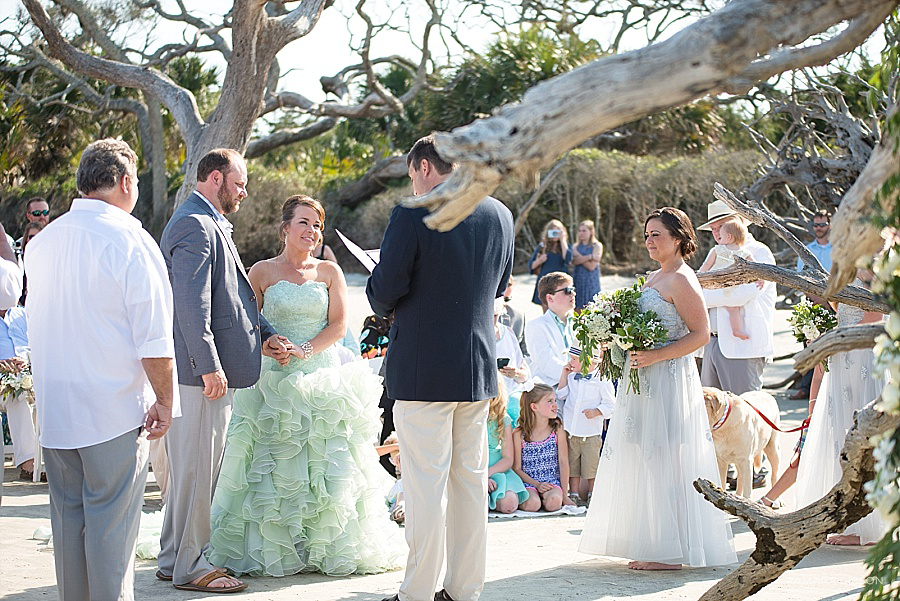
pixel 100 326
pixel 549 337
pixel 732 363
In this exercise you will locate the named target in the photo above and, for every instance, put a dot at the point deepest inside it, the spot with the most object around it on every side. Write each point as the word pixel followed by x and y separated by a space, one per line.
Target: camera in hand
pixel 502 362
pixel 553 234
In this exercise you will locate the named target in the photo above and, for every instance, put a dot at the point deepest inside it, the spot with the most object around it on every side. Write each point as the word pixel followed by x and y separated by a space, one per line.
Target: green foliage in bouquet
pixel 809 321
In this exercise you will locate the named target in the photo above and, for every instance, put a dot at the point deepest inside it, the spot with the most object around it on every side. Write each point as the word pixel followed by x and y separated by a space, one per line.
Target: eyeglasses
pixel 569 290
pixel 45 212
pixel 821 224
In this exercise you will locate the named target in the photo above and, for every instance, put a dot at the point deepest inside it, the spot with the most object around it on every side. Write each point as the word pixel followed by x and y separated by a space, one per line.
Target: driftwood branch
pixel 809 283
pixel 761 216
pixel 717 53
pixel 838 340
pixel 782 540
pixel 854 234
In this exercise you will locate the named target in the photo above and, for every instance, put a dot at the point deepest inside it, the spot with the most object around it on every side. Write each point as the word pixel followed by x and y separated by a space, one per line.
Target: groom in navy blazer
pixel 441 367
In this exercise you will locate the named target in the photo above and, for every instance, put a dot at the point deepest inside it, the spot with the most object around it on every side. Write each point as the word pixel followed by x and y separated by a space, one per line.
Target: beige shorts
pixel 584 456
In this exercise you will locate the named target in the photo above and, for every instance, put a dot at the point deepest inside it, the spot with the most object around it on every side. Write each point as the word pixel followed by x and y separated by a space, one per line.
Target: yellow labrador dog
pixel 741 436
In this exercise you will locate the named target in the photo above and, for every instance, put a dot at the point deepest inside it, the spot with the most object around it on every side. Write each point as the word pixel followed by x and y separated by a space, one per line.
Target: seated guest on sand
pixel 541 456
pixel 506 491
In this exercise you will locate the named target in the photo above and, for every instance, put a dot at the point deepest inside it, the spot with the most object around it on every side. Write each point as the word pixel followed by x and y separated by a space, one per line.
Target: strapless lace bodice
pixel 848 315
pixel 299 312
pixel 652 300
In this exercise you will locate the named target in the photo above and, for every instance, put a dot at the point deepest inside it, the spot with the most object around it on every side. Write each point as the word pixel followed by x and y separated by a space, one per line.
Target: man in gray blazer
pixel 218 339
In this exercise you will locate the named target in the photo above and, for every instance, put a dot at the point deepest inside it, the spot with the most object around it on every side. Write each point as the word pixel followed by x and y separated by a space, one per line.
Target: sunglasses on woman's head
pixel 40 213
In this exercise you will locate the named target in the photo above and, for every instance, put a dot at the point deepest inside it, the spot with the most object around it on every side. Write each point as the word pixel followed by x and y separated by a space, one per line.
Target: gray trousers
pixel 195 445
pixel 735 375
pixel 96 495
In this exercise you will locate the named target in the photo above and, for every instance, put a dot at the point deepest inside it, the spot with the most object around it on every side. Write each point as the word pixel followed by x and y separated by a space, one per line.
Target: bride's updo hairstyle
pixel 289 208
pixel 679 226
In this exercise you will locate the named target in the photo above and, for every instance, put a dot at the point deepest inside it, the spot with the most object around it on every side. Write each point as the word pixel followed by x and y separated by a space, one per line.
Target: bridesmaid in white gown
pixel 644 505
pixel 849 385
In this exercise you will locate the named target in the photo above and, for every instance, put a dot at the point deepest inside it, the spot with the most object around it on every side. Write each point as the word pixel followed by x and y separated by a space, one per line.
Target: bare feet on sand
pixel 652 565
pixel 843 540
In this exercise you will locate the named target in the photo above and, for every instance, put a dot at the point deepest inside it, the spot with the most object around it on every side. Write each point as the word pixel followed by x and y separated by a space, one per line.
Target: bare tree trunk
pixel 157 163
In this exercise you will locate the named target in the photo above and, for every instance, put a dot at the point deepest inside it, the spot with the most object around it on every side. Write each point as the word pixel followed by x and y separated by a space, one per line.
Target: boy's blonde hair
pixel 526 414
pixel 737 229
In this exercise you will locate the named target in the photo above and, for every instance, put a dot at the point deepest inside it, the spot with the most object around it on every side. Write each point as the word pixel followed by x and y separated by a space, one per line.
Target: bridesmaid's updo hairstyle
pixel 679 226
pixel 289 208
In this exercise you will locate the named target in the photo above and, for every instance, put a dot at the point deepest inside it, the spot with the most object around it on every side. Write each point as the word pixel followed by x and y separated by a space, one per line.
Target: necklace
pixel 304 267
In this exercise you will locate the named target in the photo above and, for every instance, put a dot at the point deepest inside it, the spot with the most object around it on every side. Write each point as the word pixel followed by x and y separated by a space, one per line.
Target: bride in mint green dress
pixel 301 489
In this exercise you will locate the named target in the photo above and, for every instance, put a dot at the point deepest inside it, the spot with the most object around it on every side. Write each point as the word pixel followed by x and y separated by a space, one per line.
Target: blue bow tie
pixel 583 377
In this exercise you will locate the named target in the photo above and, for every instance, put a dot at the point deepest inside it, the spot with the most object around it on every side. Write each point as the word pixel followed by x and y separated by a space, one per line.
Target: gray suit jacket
pixel 217 322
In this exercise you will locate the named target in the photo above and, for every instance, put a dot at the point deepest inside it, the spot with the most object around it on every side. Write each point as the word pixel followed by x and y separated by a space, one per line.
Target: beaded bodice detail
pixel 652 300
pixel 299 312
pixel 848 315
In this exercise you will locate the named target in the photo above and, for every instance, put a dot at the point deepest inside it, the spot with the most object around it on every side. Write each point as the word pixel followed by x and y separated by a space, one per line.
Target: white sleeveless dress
pixel 644 506
pixel 850 383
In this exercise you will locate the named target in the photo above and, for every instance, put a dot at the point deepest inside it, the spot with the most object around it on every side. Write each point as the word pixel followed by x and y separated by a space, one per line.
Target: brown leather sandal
pixel 202 587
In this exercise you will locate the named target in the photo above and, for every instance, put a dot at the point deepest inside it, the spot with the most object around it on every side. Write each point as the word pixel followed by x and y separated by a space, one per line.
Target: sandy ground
pixel 527 558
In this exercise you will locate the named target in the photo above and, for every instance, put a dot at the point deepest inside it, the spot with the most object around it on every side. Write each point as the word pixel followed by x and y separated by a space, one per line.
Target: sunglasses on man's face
pixel 820 225
pixel 569 290
pixel 44 213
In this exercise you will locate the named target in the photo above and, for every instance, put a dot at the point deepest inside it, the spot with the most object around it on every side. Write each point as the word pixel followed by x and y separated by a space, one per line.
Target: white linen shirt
pixel 580 394
pixel 99 301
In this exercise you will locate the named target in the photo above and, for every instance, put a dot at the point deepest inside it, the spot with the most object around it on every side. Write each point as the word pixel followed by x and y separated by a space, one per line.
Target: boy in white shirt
pixel 587 402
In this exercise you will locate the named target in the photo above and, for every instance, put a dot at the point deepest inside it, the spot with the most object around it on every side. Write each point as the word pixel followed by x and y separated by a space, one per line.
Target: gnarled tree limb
pixel 714 54
pixel 854 235
pixel 759 215
pixel 782 540
pixel 838 340
pixel 744 272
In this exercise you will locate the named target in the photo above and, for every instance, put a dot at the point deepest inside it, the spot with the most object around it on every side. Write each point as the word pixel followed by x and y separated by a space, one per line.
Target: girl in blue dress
pixel 541 453
pixel 586 261
pixel 505 489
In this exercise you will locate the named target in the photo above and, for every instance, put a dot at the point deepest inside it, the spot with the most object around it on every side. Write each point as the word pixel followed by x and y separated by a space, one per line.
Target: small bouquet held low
pixel 612 320
pixel 15 379
pixel 809 321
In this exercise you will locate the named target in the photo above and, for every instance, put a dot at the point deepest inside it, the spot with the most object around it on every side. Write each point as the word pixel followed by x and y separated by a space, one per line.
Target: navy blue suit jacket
pixel 441 288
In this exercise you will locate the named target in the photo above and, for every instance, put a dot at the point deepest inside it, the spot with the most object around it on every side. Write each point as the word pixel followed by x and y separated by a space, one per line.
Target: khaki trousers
pixel 195 445
pixel 443 451
pixel 96 495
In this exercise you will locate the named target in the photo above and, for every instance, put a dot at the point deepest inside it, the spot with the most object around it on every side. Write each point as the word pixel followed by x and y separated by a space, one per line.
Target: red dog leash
pixel 728 404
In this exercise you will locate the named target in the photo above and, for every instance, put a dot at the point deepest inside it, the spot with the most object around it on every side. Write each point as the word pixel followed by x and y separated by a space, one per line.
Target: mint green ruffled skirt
pixel 301 489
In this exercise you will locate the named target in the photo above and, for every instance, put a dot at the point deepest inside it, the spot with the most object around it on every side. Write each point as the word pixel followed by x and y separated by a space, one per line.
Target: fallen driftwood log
pixel 838 340
pixel 782 540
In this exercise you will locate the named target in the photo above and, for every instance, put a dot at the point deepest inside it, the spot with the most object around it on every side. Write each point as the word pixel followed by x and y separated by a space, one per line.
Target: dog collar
pixel 728 403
